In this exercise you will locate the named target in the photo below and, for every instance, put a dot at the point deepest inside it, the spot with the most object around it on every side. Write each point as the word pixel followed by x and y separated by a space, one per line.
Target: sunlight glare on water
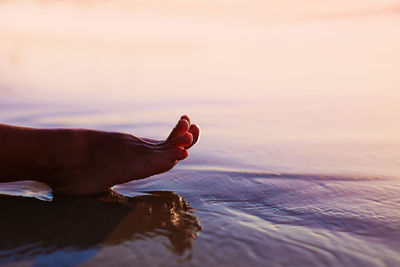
pixel 256 74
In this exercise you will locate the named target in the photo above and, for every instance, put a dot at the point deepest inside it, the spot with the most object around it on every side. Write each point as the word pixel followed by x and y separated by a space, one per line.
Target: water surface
pixel 299 105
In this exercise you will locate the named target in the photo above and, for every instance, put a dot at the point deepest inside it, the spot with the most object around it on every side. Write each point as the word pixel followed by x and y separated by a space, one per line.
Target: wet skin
pixel 85 162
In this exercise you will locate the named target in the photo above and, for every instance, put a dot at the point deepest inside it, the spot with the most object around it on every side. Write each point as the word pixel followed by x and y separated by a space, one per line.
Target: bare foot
pixel 93 161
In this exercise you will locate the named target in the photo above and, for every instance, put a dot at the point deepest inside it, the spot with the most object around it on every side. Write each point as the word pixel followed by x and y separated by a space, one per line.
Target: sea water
pixel 299 106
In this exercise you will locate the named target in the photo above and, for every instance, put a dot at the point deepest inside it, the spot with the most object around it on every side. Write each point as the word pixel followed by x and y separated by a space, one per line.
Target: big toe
pixel 181 141
pixel 180 153
pixel 169 158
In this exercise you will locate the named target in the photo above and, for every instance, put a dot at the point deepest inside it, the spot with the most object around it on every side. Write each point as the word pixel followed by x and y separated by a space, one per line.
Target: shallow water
pixel 299 105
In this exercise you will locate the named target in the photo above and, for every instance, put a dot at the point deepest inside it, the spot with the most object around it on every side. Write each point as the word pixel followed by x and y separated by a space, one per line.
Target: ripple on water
pixel 27 189
pixel 255 217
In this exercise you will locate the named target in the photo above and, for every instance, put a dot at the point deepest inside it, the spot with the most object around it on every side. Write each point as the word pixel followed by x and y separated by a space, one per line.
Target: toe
pixel 174 155
pixel 182 140
pixel 186 117
pixel 181 154
pixel 195 131
pixel 181 128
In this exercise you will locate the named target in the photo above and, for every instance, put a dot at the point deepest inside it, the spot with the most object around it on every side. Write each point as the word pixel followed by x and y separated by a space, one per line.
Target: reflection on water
pixel 34 229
